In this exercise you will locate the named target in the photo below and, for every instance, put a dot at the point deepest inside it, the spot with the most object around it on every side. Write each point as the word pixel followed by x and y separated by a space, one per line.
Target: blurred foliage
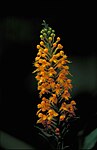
pixel 90 140
pixel 9 142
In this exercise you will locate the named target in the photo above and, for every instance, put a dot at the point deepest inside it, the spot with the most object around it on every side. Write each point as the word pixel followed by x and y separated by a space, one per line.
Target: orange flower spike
pixel 52 76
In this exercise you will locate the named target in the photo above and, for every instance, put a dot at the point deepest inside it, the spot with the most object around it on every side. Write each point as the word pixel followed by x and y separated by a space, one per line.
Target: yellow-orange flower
pixel 51 114
pixel 57 89
pixel 42 118
pixel 54 44
pixel 64 106
pixel 46 50
pixel 53 98
pixel 41 43
pixel 44 88
pixel 60 46
pixel 73 102
pixel 66 95
pixel 38 46
pixel 58 39
pixel 44 105
pixel 52 72
pixel 62 117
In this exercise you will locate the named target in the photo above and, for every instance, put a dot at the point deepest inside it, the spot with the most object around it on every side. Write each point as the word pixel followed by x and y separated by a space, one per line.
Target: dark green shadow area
pixel 9 142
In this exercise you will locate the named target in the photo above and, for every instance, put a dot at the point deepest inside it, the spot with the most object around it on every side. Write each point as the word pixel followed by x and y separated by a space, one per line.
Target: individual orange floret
pixel 53 98
pixel 41 43
pixel 60 46
pixel 62 117
pixel 64 107
pixel 58 39
pixel 46 50
pixel 73 102
pixel 42 118
pixel 66 95
pixel 62 53
pixel 51 114
pixel 38 46
pixel 54 44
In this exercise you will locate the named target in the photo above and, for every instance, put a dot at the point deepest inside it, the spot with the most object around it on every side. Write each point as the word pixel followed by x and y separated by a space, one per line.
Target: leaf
pixel 90 140
pixel 44 132
pixel 8 141
pixel 44 137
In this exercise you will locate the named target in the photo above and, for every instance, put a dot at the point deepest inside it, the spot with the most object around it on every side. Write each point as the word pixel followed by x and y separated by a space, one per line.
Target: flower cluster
pixel 54 84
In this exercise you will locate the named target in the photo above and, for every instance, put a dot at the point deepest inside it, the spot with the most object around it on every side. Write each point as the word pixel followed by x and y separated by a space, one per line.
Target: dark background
pixel 19 35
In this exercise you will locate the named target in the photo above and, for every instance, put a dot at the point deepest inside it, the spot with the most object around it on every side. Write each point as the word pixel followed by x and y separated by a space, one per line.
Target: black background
pixel 77 28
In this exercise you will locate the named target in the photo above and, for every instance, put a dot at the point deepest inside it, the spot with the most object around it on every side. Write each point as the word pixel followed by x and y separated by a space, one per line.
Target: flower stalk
pixel 56 108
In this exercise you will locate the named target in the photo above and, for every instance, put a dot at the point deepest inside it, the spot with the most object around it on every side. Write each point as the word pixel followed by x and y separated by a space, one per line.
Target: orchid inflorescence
pixel 56 108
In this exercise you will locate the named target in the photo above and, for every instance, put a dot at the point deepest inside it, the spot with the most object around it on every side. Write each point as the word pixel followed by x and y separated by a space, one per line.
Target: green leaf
pixel 8 141
pixel 44 132
pixel 90 140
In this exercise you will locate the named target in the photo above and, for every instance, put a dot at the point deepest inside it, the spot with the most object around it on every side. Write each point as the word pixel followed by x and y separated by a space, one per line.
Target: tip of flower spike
pixel 45 24
pixel 43 21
